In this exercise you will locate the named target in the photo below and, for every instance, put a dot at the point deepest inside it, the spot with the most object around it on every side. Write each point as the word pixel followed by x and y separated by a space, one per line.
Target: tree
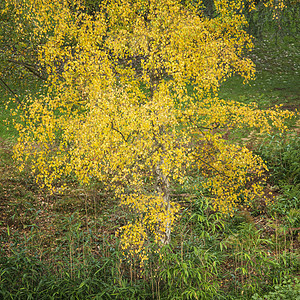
pixel 273 18
pixel 132 102
pixel 18 46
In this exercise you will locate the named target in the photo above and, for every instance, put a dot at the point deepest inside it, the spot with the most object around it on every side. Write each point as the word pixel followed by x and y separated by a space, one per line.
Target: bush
pixel 283 158
pixel 288 289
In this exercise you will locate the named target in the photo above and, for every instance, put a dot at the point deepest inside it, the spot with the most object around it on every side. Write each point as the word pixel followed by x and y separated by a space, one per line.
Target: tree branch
pixel 115 129
pixel 29 67
pixel 11 91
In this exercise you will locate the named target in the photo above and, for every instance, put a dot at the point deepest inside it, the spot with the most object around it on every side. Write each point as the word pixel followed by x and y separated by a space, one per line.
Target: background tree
pixel 273 18
pixel 132 102
pixel 18 48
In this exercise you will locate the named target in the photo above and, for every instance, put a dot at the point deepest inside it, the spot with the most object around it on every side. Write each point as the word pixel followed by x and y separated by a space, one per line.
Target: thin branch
pixel 159 145
pixel 29 67
pixel 115 129
pixel 202 127
pixel 12 92
pixel 183 195
pixel 130 134
pixel 212 167
pixel 201 130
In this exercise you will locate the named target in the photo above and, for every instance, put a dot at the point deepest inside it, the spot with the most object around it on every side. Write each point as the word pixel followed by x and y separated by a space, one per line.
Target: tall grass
pixel 230 259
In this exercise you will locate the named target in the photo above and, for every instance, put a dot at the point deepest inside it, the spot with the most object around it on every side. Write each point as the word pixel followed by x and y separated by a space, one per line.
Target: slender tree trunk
pixel 162 182
pixel 163 189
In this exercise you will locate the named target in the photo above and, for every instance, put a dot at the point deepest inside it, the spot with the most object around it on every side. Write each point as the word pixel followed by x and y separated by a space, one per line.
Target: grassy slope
pixel 277 77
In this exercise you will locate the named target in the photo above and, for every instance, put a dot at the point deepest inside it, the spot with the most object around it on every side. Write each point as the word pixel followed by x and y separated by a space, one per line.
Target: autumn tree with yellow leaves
pixel 132 102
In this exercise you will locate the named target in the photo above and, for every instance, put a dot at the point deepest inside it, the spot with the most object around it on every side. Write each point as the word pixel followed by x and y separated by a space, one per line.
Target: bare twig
pixel 29 67
pixel 115 129
pixel 11 91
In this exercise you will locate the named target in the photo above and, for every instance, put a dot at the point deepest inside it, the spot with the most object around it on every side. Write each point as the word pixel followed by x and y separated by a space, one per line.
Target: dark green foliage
pixel 18 51
pixel 283 158
pixel 289 289
pixel 262 20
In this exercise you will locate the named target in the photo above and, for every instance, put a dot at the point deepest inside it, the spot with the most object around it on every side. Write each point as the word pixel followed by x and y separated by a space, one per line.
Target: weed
pixel 289 289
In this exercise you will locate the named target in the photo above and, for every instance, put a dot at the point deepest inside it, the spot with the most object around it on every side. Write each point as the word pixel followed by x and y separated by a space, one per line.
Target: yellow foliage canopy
pixel 132 95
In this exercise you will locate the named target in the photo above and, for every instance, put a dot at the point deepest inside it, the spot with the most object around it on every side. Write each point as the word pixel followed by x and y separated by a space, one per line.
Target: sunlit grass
pixel 277 77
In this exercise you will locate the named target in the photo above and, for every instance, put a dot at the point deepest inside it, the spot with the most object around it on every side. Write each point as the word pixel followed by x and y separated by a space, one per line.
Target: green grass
pixel 6 130
pixel 277 77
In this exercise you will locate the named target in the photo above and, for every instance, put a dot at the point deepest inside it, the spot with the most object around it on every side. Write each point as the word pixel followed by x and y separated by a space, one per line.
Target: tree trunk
pixel 163 189
pixel 162 182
